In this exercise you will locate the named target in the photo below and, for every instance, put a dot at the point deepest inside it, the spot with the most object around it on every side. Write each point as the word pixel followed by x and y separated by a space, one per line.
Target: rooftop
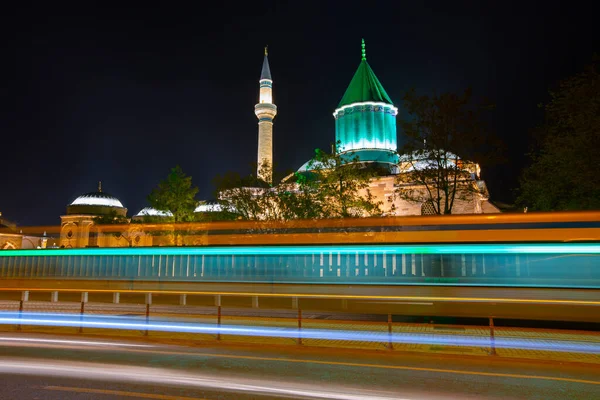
pixel 364 86
pixel 97 199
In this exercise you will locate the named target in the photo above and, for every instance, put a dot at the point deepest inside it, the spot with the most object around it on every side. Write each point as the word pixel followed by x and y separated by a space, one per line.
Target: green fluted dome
pixel 364 87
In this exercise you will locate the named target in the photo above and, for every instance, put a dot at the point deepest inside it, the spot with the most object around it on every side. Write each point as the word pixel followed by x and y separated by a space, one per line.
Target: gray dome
pixel 152 212
pixel 97 199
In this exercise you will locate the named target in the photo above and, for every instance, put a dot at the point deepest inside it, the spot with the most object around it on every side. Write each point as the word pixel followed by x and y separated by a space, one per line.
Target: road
pixel 79 367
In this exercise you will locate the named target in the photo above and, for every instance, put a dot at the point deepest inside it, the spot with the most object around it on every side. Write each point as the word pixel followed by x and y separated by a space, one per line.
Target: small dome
pixel 365 156
pixel 209 207
pixel 97 199
pixel 153 212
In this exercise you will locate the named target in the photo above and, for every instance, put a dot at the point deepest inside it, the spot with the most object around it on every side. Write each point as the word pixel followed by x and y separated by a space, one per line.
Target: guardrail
pixel 473 302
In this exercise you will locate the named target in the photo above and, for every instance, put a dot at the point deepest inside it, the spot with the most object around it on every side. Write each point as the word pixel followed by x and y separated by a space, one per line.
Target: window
pixel 427 208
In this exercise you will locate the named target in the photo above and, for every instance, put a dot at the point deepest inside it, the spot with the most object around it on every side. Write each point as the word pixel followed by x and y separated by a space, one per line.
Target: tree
pixel 340 183
pixel 443 131
pixel 299 198
pixel 563 174
pixel 246 197
pixel 115 225
pixel 176 195
pixel 335 186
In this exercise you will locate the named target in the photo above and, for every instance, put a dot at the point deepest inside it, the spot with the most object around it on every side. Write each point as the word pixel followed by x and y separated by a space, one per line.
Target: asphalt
pixel 66 367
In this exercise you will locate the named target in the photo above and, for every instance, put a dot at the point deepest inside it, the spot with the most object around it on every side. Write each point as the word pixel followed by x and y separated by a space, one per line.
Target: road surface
pixel 77 367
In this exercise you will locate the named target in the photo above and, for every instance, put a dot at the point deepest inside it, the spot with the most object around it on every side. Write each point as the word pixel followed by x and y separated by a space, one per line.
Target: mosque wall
pixel 384 190
pixel 75 231
pixel 80 231
pixel 10 241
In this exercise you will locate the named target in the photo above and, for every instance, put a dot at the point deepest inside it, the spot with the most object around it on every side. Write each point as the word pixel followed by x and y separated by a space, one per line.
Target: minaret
pixel 265 110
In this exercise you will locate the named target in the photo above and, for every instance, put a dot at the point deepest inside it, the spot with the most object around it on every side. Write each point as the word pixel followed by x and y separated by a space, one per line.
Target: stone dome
pixel 97 199
pixel 153 212
pixel 96 203
pixel 208 207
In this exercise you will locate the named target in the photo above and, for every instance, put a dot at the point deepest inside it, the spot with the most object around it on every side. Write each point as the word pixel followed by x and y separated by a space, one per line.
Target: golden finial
pixel 100 186
pixel 266 53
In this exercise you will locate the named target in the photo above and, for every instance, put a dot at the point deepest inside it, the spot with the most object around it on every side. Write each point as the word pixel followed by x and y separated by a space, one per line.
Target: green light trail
pixel 561 248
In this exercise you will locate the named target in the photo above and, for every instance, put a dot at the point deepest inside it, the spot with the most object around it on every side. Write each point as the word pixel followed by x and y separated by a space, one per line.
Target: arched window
pixel 9 246
pixel 93 238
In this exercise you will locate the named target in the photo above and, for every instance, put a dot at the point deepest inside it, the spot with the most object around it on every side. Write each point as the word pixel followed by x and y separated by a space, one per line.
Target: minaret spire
pixel 265 73
pixel 265 111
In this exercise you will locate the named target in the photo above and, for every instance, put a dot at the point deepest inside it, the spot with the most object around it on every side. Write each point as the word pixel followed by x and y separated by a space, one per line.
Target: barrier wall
pixel 521 265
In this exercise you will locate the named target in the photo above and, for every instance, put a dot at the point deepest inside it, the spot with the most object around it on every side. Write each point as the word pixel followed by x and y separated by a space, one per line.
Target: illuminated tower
pixel 265 111
pixel 365 120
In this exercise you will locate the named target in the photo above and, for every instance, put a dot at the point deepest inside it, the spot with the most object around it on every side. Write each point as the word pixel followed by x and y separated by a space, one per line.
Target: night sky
pixel 122 94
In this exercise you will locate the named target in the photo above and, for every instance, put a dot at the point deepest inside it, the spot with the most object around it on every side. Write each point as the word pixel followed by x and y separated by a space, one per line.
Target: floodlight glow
pixel 96 201
pixel 152 212
pixel 208 208
pixel 366 103
pixel 366 125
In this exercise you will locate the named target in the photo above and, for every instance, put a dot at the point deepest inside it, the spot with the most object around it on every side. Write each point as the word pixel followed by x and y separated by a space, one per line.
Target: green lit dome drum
pixel 366 125
pixel 365 120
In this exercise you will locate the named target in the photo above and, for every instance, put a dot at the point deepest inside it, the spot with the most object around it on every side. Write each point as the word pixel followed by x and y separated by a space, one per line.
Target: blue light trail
pixel 137 323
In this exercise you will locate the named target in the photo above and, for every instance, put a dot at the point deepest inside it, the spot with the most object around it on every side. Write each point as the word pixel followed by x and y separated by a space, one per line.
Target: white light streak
pixel 71 342
pixel 146 375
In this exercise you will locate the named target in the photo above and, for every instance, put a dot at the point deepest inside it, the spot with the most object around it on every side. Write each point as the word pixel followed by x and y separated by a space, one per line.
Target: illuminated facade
pixel 265 111
pixel 10 239
pixel 365 129
pixel 79 227
pixel 365 120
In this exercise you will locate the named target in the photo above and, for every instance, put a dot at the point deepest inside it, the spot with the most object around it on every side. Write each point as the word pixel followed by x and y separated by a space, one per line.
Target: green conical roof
pixel 364 87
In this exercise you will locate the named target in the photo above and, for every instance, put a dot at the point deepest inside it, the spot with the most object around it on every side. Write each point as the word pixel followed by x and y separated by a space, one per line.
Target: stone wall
pixel 10 241
pixel 383 190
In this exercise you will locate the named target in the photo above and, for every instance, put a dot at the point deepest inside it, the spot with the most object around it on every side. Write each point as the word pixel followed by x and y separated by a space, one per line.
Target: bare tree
pixel 441 130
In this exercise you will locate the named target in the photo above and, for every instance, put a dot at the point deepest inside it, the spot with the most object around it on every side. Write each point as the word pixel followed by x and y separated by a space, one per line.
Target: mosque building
pixel 11 237
pixel 79 228
pixel 365 129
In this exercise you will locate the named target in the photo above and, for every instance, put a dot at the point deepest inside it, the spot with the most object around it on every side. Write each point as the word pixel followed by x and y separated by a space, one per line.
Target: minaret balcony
pixel 263 110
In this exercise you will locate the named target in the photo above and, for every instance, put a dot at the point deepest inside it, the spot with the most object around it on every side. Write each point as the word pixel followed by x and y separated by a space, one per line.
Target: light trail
pixel 121 393
pixel 561 248
pixel 133 323
pixel 70 342
pixel 198 379
pixel 425 299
